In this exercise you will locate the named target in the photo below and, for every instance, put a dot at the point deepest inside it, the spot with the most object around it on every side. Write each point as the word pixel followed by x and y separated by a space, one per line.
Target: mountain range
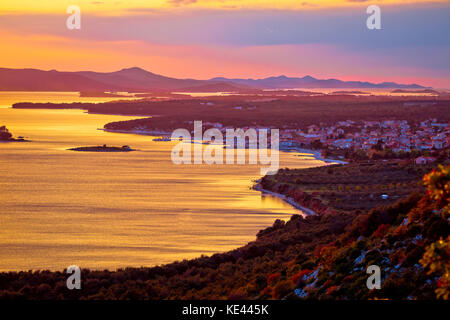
pixel 139 80
pixel 308 82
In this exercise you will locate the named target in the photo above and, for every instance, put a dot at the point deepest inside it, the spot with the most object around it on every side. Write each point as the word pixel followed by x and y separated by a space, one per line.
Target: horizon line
pixel 228 78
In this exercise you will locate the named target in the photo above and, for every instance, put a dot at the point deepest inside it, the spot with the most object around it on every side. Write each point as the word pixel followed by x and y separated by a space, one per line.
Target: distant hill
pixel 38 80
pixel 139 80
pixel 429 91
pixel 283 82
pixel 132 80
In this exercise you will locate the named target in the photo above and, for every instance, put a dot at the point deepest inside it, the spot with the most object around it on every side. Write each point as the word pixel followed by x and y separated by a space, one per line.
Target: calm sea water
pixel 112 210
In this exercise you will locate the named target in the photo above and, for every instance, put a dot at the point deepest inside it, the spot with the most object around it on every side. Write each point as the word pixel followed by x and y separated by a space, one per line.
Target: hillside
pixel 131 80
pixel 408 240
pixel 38 80
pixel 318 257
pixel 342 188
pixel 139 80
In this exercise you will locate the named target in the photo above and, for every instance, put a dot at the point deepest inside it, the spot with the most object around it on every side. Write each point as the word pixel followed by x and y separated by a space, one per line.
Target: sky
pixel 233 38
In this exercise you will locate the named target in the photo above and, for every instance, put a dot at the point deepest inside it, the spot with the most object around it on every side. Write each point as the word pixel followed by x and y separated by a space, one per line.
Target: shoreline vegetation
pixel 103 148
pixel 145 133
pixel 317 154
pixel 336 188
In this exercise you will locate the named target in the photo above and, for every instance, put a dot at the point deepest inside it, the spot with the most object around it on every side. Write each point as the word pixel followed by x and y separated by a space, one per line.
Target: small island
pixel 6 136
pixel 103 148
pixel 349 92
pixel 424 91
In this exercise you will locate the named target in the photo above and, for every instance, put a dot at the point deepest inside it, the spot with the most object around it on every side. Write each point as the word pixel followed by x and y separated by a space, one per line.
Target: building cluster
pixel 396 135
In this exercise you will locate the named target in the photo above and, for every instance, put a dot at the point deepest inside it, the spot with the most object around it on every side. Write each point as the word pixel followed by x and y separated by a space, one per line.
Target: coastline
pixel 144 133
pixel 284 198
pixel 15 140
pixel 317 155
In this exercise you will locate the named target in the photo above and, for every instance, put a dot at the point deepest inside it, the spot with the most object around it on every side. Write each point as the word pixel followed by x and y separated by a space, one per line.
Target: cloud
pixel 178 3
pixel 322 61
pixel 409 27
pixel 409 34
pixel 308 4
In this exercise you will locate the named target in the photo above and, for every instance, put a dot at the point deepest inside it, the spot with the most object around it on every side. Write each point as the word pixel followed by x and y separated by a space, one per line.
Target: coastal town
pixel 398 136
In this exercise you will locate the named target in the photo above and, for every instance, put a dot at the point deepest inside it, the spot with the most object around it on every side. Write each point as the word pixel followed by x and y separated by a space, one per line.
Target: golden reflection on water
pixel 112 210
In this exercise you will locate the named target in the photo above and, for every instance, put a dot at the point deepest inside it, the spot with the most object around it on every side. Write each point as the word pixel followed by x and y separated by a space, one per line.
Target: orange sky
pixel 35 36
pixel 122 7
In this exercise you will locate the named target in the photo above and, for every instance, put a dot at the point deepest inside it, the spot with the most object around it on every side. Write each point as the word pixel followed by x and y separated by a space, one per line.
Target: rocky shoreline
pixel 6 136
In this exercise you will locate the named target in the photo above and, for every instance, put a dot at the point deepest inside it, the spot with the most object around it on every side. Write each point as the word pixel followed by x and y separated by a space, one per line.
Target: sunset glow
pixel 204 39
pixel 246 158
pixel 122 7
